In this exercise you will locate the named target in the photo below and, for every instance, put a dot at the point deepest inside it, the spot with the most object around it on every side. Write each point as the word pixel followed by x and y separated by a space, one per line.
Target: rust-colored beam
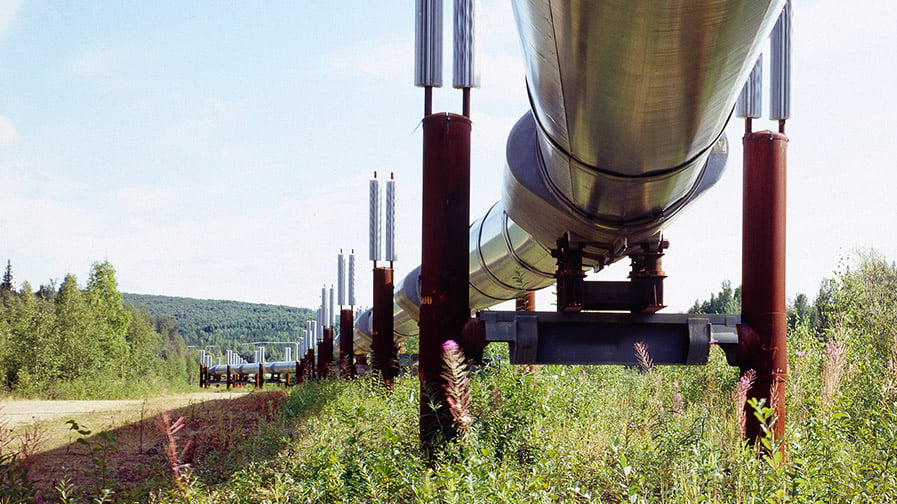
pixel 384 359
pixel 444 262
pixel 762 333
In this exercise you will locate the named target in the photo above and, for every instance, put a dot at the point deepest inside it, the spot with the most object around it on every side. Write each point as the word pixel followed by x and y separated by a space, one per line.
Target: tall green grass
pixel 599 434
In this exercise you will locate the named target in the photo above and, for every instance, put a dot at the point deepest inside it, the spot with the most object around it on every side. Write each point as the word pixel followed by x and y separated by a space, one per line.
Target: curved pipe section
pixel 629 101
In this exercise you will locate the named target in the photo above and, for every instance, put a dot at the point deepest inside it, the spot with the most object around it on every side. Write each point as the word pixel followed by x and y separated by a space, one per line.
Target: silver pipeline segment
pixel 629 102
pixel 780 66
pixel 750 101
pixel 428 43
pixel 252 368
pixel 465 65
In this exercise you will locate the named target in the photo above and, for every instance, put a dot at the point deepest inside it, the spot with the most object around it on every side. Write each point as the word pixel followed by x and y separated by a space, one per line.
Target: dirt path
pixel 212 421
pixel 19 413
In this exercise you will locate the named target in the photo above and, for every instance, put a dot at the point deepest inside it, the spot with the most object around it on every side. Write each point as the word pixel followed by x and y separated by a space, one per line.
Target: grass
pixel 556 434
pixel 560 434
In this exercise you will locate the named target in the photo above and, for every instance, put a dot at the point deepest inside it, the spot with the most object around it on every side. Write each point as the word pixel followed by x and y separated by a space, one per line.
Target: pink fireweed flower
pixel 450 346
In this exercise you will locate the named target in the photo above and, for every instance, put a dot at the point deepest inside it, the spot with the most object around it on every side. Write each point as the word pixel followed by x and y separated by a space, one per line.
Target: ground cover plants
pixel 590 434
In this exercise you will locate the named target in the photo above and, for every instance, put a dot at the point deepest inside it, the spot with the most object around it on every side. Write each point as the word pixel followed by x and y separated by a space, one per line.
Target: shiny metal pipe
pixel 629 102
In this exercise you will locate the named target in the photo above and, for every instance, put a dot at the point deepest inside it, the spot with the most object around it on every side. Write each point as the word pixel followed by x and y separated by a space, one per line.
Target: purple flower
pixel 450 346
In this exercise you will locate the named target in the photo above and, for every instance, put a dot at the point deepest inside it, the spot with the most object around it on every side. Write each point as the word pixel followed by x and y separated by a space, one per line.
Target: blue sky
pixel 222 149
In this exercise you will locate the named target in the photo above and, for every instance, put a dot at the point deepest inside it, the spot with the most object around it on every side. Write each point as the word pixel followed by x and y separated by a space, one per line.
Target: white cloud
pixel 9 135
pixel 8 11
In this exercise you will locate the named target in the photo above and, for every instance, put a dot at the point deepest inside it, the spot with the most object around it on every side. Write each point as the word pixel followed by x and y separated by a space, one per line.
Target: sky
pixel 222 149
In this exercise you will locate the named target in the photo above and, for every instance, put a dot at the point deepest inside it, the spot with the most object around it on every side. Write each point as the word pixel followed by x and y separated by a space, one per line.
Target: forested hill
pixel 207 322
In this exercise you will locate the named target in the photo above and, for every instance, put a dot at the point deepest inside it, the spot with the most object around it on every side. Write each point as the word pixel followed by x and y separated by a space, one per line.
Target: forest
pixel 218 325
pixel 85 342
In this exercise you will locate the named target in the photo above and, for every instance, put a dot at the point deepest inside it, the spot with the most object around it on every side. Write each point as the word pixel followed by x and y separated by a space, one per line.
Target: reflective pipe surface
pixel 629 102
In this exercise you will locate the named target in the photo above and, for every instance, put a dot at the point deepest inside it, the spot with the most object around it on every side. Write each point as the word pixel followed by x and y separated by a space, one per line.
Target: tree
pixel 727 301
pixel 6 285
pixel 80 346
pixel 801 311
pixel 109 310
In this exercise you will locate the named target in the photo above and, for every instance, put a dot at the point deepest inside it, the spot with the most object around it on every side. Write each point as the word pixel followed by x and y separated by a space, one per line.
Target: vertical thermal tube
pixel 374 213
pixel 780 66
pixel 287 353
pixel 324 309
pixel 466 72
pixel 330 309
pixel 428 43
pixel 351 279
pixel 341 278
pixel 750 101
pixel 390 219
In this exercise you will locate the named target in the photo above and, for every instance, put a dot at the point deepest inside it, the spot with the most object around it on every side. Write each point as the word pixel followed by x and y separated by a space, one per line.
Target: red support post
pixel 346 344
pixel 445 306
pixel 312 364
pixel 384 359
pixel 762 333
pixel 526 302
pixel 325 354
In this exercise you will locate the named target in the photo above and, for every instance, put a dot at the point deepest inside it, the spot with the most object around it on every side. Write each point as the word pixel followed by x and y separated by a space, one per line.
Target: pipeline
pixel 629 101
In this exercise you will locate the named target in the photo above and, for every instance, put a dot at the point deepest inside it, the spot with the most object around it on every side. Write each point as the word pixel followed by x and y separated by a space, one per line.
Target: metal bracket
pixel 608 338
pixel 642 293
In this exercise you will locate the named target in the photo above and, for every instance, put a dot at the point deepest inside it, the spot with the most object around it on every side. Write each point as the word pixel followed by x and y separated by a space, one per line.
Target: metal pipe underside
pixel 629 102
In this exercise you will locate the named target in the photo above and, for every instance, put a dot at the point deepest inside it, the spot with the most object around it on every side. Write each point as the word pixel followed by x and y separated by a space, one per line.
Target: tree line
pixel 816 315
pixel 219 325
pixel 69 341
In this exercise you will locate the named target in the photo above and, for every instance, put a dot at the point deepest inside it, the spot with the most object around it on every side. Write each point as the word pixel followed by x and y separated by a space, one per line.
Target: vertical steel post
pixel 445 304
pixel 762 332
pixel 312 367
pixel 346 345
pixel 382 333
pixel 325 354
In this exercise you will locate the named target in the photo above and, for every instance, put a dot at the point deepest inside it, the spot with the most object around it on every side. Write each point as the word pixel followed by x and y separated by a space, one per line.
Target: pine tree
pixel 6 285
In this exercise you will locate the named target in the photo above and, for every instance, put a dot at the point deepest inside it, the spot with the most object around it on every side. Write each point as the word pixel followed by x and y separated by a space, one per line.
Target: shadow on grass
pixel 219 437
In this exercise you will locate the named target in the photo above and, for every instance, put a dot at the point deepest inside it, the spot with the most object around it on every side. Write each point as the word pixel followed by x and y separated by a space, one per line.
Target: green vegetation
pixel 596 434
pixel 69 342
pixel 227 325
